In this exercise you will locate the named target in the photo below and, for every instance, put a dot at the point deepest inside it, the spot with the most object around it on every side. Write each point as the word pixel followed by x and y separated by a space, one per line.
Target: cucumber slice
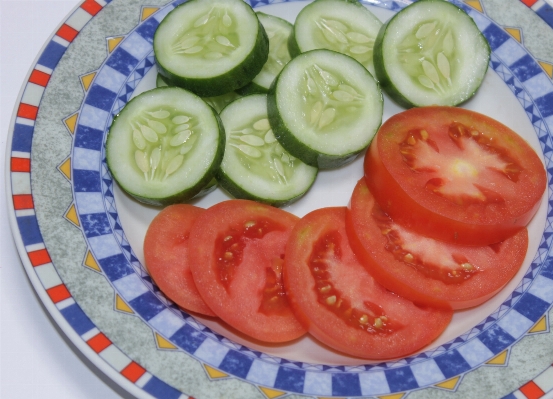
pixel 325 108
pixel 160 81
pixel 344 26
pixel 431 52
pixel 255 165
pixel 217 102
pixel 165 146
pixel 279 31
pixel 210 47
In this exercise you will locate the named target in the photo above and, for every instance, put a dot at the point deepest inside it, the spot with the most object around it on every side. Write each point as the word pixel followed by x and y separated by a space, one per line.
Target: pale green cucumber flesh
pixel 255 166
pixel 343 26
pixel 431 52
pixel 165 146
pixel 325 108
pixel 210 47
pixel 279 31
pixel 218 104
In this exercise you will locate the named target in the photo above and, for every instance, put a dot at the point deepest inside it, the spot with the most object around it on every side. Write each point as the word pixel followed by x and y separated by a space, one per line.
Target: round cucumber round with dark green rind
pixel 344 26
pixel 325 108
pixel 430 53
pixel 165 146
pixel 255 166
pixel 210 47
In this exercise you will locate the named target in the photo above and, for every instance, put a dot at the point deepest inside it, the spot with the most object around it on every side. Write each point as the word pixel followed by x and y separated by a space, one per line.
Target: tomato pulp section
pixel 425 270
pixel 166 247
pixel 237 266
pixel 454 175
pixel 339 302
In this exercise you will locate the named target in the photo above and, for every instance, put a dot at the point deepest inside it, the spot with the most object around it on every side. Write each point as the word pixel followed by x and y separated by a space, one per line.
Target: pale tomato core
pixel 456 169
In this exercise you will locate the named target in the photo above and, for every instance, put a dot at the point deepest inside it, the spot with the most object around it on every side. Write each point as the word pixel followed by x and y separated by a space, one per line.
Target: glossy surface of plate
pixel 80 237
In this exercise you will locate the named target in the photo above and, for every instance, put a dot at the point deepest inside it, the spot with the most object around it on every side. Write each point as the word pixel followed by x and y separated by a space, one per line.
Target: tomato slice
pixel 339 302
pixel 237 266
pixel 166 247
pixel 454 175
pixel 425 270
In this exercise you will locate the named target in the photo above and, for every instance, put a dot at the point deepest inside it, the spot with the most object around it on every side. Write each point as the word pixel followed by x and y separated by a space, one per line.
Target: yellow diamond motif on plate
pixel 147 11
pixel 162 343
pixel 65 169
pixel 500 359
pixel 71 215
pixel 540 326
pixel 449 384
pixel 87 79
pixel 91 263
pixel 516 33
pixel 548 68
pixel 214 373
pixel 113 42
pixel 395 396
pixel 271 393
pixel 121 305
pixel 475 4
pixel 71 123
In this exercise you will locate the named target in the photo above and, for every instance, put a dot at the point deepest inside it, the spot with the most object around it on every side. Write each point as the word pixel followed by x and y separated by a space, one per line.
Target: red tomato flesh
pixel 425 270
pixel 454 175
pixel 166 248
pixel 339 302
pixel 237 266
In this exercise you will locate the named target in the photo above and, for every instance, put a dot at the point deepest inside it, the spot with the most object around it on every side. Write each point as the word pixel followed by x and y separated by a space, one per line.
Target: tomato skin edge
pixel 331 330
pixel 388 193
pixel 165 259
pixel 392 197
pixel 407 282
pixel 230 305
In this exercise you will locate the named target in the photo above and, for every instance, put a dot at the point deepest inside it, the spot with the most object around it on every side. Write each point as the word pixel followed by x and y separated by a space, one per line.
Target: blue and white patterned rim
pixel 112 87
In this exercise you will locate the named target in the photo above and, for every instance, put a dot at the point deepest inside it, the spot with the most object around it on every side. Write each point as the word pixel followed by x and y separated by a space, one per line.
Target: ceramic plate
pixel 80 237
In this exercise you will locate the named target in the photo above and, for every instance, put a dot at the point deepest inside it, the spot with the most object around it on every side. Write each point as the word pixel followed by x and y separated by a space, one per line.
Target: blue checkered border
pixel 92 186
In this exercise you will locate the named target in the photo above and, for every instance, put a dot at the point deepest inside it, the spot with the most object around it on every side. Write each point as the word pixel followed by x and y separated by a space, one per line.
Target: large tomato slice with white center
pixel 236 261
pixel 339 302
pixel 166 256
pixel 454 175
pixel 425 270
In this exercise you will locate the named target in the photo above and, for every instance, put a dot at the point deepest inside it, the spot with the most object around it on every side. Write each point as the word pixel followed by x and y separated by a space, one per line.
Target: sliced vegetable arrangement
pixel 436 224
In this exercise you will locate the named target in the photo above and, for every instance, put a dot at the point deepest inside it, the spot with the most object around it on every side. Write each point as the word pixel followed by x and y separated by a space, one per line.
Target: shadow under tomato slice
pixel 425 270
pixel 454 175
pixel 237 260
pixel 340 303
pixel 166 247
